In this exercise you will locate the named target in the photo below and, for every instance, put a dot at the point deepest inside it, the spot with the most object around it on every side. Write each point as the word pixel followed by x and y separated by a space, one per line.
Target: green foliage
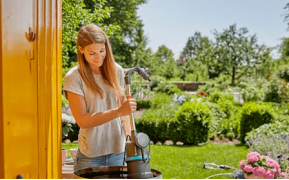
pixel 283 73
pixel 218 84
pixel 238 53
pixel 175 90
pixel 156 121
pixel 72 133
pixel 225 117
pixel 200 50
pixel 251 93
pixel 254 115
pixel 155 81
pixel 64 101
pixel 194 120
pixel 163 63
pixel 160 100
pixel 143 103
pixel 166 87
pixel 218 95
pixel 277 91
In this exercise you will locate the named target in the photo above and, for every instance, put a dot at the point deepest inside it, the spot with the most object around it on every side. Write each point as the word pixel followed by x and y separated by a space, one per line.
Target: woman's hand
pixel 128 106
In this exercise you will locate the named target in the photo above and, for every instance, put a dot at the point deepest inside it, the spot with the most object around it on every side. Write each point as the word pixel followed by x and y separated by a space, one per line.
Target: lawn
pixel 186 162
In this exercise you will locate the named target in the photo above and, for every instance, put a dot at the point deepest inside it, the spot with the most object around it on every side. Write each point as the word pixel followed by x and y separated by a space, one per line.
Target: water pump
pixel 137 155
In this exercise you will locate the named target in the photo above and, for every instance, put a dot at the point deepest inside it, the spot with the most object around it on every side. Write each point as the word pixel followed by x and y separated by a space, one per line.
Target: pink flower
pixel 284 175
pixel 278 170
pixel 253 157
pixel 273 164
pixel 269 174
pixel 248 168
pixel 242 165
pixel 259 171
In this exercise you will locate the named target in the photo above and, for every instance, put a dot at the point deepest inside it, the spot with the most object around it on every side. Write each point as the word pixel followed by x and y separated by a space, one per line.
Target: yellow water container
pixel 30 89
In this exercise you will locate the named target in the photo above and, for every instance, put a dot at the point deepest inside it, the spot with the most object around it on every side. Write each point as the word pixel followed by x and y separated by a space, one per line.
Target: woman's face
pixel 94 54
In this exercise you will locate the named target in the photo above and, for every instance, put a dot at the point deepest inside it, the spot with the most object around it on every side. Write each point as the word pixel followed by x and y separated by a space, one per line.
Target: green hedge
pixel 194 120
pixel 156 129
pixel 143 104
pixel 254 115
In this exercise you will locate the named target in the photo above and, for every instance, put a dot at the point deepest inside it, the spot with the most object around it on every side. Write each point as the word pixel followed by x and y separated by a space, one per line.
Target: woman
pixel 95 91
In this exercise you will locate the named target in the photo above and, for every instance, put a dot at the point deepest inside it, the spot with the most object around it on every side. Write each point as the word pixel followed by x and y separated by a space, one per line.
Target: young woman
pixel 95 91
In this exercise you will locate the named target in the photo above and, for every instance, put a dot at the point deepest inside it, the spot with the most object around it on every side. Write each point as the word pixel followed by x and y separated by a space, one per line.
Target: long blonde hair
pixel 87 35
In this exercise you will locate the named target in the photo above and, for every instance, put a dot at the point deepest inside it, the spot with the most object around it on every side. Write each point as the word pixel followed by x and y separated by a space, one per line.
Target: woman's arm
pixel 87 120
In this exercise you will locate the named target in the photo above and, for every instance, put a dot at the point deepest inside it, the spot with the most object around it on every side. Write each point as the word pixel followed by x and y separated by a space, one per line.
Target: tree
pixel 163 63
pixel 199 48
pixel 74 15
pixel 237 53
pixel 287 14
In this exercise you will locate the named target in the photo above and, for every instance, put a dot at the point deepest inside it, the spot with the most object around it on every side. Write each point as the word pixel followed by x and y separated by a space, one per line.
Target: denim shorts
pixel 83 162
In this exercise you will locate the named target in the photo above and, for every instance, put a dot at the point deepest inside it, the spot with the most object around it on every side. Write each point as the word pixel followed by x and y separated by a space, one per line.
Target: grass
pixel 69 146
pixel 186 162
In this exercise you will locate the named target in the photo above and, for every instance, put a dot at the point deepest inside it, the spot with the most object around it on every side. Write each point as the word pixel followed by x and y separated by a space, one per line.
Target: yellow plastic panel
pixel 19 89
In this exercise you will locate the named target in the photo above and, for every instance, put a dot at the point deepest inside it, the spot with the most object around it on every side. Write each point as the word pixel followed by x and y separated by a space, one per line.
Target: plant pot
pixel 64 152
pixel 252 176
pixel 73 152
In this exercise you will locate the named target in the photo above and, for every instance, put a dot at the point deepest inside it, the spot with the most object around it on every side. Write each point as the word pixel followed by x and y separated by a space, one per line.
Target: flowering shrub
pixel 261 166
pixel 271 140
pixel 277 91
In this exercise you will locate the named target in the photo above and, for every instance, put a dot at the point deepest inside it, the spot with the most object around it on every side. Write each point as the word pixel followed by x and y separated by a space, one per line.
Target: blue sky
pixel 171 22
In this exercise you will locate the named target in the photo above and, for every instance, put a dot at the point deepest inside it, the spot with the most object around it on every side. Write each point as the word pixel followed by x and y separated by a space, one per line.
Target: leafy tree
pixel 237 53
pixel 287 14
pixel 199 48
pixel 163 63
pixel 74 15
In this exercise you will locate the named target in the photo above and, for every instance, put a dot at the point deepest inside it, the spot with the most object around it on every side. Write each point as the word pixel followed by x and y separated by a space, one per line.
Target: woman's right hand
pixel 128 106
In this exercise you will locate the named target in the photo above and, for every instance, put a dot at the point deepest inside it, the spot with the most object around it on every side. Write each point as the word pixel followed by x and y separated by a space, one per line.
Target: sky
pixel 172 22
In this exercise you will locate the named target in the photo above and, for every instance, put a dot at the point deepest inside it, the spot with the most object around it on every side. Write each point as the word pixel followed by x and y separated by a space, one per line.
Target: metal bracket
pixel 30 36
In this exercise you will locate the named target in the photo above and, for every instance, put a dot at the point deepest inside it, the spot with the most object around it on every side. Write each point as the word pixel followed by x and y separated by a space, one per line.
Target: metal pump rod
pixel 136 150
pixel 145 75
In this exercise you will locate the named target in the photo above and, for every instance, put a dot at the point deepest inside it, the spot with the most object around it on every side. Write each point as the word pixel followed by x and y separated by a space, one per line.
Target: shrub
pixel 271 140
pixel 156 121
pixel 143 103
pixel 230 135
pixel 155 81
pixel 194 120
pixel 156 129
pixel 160 99
pixel 277 91
pixel 218 84
pixel 283 73
pixel 252 93
pixel 217 95
pixel 166 87
pixel 225 118
pixel 174 90
pixel 254 115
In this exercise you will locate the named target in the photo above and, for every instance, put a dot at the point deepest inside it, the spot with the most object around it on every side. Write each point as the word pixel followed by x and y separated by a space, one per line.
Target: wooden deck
pixel 67 170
